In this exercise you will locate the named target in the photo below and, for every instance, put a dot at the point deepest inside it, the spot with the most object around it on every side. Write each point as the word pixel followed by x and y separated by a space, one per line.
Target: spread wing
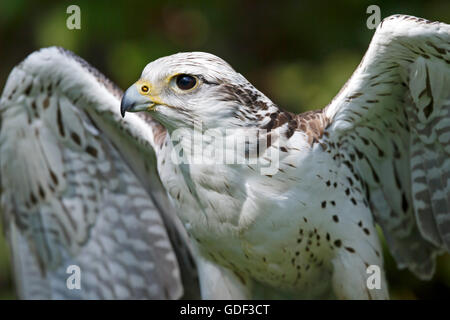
pixel 79 187
pixel 391 123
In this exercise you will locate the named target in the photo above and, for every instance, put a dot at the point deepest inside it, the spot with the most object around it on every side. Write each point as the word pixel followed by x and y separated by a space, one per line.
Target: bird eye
pixel 186 82
pixel 144 88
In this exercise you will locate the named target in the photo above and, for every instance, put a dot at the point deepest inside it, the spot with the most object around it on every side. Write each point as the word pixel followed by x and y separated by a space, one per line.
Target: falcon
pixel 82 185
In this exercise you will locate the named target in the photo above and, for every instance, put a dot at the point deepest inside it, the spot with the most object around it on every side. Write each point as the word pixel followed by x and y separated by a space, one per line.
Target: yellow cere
pixel 144 84
pixel 145 88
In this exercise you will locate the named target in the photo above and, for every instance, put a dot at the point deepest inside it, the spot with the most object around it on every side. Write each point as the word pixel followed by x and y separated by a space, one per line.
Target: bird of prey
pixel 81 185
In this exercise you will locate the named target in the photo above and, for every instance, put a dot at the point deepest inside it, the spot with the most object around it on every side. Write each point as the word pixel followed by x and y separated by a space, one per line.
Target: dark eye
pixel 186 82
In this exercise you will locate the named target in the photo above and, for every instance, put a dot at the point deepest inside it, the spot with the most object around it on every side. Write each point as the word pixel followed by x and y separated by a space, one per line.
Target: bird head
pixel 195 87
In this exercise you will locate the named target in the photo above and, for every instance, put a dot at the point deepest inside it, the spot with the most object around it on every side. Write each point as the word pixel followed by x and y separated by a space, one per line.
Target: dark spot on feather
pixel 92 151
pixel 46 102
pixel 28 89
pixel 76 138
pixel 405 205
pixel 33 198
pixel 397 178
pixel 374 174
pixel 365 141
pixel 59 120
pixel 429 108
pixel 350 181
pixel 53 177
pixel 359 153
pixel 41 192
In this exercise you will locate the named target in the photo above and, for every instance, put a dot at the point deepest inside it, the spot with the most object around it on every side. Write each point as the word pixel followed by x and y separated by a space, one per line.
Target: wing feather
pixel 393 117
pixel 79 186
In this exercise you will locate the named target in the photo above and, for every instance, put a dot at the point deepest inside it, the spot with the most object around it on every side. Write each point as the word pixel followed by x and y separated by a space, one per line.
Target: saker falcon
pixel 82 185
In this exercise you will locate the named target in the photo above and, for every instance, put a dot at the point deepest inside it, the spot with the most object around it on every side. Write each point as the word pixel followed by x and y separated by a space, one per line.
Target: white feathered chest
pixel 284 229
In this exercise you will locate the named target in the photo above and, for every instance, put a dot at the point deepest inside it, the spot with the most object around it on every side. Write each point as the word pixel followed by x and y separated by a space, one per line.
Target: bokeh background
pixel 298 53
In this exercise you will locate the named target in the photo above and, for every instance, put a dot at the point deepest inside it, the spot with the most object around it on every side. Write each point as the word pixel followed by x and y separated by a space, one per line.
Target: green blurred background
pixel 298 53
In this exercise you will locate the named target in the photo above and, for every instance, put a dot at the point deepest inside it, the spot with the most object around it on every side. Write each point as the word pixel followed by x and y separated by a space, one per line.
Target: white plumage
pixel 91 192
pixel 70 196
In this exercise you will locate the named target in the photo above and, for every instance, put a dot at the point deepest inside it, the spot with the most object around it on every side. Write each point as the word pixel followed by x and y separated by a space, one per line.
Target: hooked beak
pixel 133 101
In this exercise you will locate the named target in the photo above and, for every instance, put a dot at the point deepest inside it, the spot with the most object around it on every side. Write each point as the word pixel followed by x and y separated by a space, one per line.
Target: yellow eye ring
pixel 144 89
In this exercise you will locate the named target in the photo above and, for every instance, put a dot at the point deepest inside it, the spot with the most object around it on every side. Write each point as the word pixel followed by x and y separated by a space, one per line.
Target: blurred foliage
pixel 299 53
